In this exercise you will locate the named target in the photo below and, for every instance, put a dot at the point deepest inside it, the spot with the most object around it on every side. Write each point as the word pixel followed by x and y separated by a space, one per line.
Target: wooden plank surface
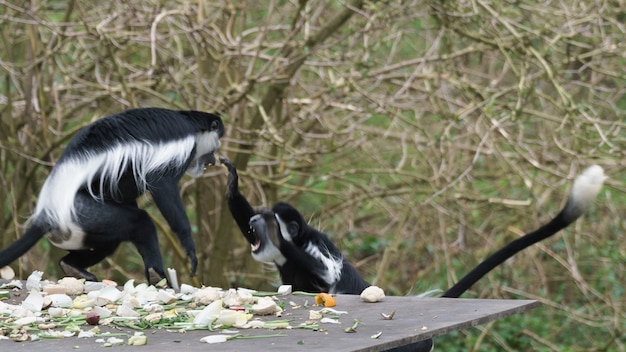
pixel 415 319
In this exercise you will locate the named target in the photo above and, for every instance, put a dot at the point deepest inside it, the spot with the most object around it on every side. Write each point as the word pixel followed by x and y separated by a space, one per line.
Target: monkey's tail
pixel 586 187
pixel 16 249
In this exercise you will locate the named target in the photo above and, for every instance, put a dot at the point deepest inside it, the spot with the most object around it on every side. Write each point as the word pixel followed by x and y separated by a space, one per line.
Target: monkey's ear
pixel 294 229
pixel 215 125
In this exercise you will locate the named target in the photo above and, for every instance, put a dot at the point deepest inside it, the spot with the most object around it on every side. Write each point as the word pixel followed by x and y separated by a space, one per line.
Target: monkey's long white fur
pixel 56 199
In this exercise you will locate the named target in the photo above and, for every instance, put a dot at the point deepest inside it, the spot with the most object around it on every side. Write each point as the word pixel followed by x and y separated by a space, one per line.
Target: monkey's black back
pixel 142 124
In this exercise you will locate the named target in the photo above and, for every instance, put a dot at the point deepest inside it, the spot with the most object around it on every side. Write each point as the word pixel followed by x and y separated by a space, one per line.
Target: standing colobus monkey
pixel 88 203
pixel 309 261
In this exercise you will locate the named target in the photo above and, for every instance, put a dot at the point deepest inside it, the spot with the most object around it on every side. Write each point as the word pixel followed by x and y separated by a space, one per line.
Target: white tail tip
pixel 587 186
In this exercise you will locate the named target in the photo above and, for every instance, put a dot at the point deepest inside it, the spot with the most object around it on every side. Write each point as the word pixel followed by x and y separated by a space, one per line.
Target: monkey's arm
pixel 302 271
pixel 348 282
pixel 167 198
pixel 298 256
pixel 323 263
pixel 238 205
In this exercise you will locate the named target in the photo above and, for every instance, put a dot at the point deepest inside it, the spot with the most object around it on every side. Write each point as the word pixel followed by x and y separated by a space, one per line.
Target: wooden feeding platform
pixel 415 319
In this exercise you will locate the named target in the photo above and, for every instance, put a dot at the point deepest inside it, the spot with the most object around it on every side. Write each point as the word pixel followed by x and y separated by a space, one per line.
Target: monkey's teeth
pixel 255 246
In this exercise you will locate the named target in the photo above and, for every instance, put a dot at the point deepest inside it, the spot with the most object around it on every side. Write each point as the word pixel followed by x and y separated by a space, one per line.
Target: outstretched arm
pixel 238 205
pixel 167 198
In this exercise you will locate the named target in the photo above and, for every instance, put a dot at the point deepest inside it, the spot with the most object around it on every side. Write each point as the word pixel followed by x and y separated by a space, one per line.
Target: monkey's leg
pixel 107 223
pixel 77 261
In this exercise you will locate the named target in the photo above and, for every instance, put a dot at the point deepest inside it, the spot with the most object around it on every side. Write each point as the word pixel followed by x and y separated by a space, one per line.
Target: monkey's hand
pixel 190 250
pixel 194 263
pixel 229 164
pixel 232 187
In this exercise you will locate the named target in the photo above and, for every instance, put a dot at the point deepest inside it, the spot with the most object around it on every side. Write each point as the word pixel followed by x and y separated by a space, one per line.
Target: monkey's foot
pixel 78 273
pixel 154 277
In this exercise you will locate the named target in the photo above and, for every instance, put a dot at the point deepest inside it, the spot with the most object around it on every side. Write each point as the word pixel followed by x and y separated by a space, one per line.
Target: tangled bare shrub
pixel 420 134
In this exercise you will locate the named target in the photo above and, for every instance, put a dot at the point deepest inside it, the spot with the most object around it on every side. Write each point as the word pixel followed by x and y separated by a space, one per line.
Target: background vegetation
pixel 420 135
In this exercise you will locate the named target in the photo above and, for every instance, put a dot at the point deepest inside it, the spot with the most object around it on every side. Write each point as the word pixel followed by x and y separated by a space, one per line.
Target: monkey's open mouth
pixel 257 234
pixel 255 247
pixel 209 160
pixel 255 241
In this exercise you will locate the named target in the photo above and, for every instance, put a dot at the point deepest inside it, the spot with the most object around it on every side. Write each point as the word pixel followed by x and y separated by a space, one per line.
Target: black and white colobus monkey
pixel 309 261
pixel 88 203
pixel 304 256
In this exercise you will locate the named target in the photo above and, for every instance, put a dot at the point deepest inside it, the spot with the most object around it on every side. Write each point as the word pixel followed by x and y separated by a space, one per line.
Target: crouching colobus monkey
pixel 309 261
pixel 304 256
pixel 88 203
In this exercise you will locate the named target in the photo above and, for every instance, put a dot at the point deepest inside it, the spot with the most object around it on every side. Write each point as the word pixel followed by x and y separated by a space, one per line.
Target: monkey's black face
pixel 263 237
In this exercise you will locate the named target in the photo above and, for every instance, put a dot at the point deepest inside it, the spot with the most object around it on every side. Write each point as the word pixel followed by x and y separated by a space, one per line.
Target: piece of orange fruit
pixel 326 299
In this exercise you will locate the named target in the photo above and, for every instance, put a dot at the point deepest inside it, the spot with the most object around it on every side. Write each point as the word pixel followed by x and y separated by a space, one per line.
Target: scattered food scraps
pixel 372 294
pixel 352 328
pixel 78 308
pixel 377 335
pixel 388 316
